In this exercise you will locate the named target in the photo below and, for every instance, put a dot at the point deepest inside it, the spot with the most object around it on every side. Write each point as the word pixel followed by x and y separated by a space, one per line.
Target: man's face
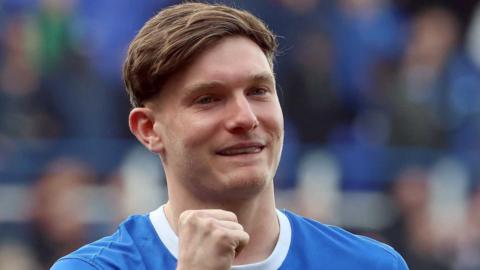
pixel 220 122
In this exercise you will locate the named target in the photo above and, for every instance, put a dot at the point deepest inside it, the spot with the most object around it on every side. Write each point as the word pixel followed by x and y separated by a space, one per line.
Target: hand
pixel 209 239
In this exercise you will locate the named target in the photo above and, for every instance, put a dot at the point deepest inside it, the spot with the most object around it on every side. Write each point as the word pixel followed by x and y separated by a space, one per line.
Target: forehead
pixel 232 60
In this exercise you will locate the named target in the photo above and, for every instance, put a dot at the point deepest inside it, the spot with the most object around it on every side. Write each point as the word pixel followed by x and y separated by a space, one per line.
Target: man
pixel 200 78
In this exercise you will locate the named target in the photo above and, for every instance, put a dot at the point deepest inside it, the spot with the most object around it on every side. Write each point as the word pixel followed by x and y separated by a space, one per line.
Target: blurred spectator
pixel 83 105
pixel 22 115
pixel 54 34
pixel 59 210
pixel 365 34
pixel 307 88
pixel 411 233
pixel 432 103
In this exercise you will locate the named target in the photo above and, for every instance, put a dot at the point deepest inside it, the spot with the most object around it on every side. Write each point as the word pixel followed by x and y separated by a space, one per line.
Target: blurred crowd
pixel 382 109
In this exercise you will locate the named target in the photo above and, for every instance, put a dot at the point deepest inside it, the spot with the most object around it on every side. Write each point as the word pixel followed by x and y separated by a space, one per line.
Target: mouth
pixel 241 149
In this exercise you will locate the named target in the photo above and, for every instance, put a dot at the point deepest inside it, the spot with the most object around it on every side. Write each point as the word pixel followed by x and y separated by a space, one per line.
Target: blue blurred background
pixel 382 107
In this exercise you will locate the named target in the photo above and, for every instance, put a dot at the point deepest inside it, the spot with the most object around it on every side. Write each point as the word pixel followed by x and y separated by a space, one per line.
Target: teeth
pixel 246 150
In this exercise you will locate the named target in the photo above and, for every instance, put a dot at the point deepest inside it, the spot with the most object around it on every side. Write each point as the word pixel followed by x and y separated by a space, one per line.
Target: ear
pixel 142 122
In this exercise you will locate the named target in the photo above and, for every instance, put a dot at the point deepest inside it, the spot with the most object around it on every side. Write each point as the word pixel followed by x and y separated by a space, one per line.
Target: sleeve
pixel 73 263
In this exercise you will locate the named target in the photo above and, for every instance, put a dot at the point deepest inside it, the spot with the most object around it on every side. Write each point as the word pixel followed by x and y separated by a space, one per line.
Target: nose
pixel 240 116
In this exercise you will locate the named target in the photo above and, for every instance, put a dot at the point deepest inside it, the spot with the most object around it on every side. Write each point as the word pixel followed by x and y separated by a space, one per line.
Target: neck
pixel 257 215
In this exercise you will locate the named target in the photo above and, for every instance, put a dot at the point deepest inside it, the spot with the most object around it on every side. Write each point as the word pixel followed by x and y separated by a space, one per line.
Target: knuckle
pixel 220 235
pixel 187 217
pixel 239 226
pixel 233 216
pixel 209 224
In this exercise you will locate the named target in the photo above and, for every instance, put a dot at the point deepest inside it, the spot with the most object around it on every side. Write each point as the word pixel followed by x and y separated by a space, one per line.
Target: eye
pixel 207 99
pixel 258 92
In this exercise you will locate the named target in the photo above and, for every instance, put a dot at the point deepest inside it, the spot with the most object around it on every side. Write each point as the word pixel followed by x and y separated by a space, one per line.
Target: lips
pixel 241 149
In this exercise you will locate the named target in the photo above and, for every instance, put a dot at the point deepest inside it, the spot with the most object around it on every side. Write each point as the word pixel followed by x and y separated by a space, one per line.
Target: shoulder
pixel 330 242
pixel 73 263
pixel 115 251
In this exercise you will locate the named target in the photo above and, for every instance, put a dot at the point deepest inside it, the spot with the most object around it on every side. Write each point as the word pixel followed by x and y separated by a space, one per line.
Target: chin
pixel 235 185
pixel 244 185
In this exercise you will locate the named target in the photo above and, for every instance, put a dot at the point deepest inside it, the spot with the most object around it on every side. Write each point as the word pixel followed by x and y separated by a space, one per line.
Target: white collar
pixel 274 261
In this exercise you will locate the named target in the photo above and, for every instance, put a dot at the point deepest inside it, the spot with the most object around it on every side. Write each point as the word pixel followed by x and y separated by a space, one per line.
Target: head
pixel 200 78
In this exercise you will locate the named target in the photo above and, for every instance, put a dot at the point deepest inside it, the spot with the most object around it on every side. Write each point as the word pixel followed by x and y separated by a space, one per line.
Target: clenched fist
pixel 209 239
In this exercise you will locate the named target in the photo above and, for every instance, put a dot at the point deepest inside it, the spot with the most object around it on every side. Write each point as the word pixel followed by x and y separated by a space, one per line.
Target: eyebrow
pixel 263 77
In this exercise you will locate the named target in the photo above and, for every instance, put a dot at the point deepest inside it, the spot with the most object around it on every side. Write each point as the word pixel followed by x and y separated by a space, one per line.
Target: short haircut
pixel 176 35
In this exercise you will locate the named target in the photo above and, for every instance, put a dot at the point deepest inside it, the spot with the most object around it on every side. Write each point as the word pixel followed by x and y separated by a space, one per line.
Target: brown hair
pixel 173 37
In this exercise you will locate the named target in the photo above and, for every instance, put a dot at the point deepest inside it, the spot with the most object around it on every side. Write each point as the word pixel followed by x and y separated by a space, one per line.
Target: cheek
pixel 274 121
pixel 274 124
pixel 279 119
pixel 191 133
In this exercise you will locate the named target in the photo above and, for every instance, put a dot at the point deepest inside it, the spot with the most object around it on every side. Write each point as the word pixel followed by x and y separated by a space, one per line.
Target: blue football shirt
pixel 148 242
